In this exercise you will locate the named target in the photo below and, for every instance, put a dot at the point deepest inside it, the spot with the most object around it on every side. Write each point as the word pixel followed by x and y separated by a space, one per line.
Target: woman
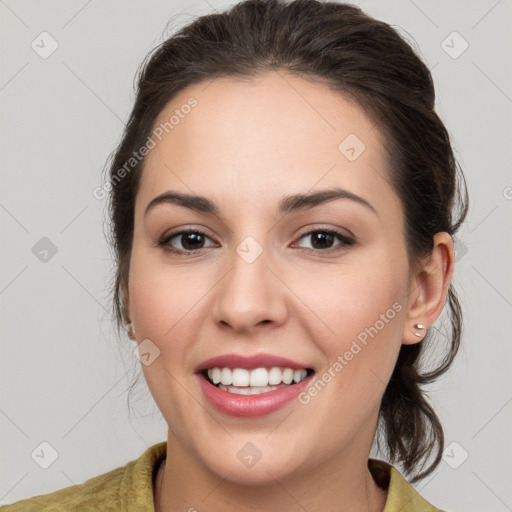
pixel 283 203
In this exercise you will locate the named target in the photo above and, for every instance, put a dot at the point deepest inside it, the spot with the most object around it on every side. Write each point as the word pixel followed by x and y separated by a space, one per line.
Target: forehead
pixel 261 138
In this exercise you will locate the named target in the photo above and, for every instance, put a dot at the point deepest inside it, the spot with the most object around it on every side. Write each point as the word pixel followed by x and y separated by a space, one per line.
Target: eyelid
pixel 343 232
pixel 186 228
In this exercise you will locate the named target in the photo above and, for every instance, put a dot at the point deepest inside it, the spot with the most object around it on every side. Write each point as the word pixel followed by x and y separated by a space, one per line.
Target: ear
pixel 429 289
pixel 125 301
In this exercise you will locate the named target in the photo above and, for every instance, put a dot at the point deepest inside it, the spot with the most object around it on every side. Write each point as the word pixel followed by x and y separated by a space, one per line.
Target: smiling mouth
pixel 241 381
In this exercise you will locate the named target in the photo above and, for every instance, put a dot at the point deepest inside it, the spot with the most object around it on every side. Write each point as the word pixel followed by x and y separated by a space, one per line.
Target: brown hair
pixel 355 55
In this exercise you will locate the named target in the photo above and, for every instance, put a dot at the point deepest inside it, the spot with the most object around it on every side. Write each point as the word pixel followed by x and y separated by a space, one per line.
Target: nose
pixel 250 296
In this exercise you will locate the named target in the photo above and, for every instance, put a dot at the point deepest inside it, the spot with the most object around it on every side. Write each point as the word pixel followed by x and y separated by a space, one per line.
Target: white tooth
pixel 260 389
pixel 274 376
pixel 240 377
pixel 216 375
pixel 256 390
pixel 225 377
pixel 258 377
pixel 241 391
pixel 287 375
pixel 254 382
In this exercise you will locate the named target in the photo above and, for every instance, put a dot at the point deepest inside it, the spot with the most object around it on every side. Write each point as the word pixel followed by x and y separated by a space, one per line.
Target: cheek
pixel 164 305
pixel 360 335
pixel 163 298
pixel 350 300
pixel 359 311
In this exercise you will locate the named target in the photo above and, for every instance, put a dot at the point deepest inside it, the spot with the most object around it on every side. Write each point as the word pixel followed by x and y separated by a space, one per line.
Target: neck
pixel 341 483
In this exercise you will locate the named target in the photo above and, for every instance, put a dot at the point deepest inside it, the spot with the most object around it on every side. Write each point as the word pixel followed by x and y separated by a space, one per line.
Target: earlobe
pixel 131 333
pixel 429 289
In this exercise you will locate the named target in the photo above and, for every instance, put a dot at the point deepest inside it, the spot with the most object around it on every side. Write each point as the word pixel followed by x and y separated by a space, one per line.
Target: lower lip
pixel 251 405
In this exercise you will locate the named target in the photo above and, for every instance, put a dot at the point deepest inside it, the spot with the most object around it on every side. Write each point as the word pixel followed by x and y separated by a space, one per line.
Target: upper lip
pixel 249 362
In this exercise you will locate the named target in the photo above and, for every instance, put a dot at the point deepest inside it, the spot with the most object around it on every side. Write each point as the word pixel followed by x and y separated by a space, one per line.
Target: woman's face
pixel 274 270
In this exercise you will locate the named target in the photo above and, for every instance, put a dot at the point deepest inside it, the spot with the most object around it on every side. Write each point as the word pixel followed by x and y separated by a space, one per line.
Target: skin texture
pixel 245 146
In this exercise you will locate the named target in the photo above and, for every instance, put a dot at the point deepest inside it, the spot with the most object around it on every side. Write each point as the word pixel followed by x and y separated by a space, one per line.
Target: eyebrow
pixel 291 203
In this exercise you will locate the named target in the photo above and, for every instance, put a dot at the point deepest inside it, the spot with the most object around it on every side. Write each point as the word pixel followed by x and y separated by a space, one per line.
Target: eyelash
pixel 344 239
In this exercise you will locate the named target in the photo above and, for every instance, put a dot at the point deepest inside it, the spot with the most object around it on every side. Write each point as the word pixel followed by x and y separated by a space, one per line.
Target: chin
pixel 260 474
pixel 255 460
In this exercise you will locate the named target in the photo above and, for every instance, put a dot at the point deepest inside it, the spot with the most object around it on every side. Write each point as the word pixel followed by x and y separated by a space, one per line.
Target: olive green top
pixel 130 488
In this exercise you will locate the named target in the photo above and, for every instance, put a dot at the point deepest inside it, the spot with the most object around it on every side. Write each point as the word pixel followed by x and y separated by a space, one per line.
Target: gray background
pixel 64 376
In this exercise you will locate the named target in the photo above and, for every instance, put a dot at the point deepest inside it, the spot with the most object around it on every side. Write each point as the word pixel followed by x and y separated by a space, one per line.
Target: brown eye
pixel 326 240
pixel 185 241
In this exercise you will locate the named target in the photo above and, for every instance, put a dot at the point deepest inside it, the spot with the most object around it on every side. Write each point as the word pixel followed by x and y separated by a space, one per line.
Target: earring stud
pixel 421 327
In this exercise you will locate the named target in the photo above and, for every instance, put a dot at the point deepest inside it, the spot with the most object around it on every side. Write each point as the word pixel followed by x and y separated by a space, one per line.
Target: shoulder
pixel 401 494
pixel 127 488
